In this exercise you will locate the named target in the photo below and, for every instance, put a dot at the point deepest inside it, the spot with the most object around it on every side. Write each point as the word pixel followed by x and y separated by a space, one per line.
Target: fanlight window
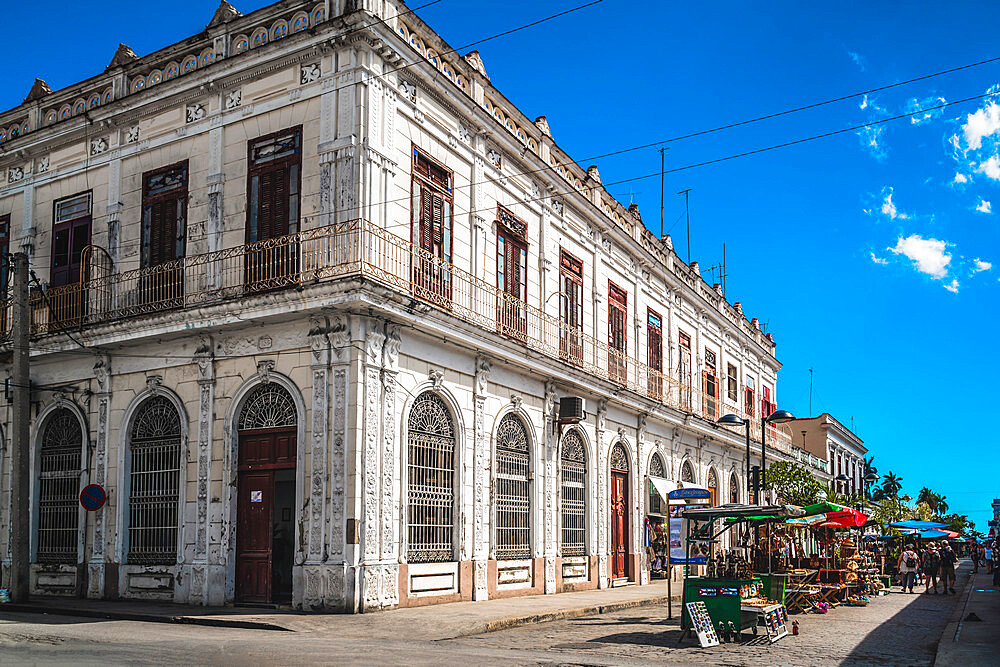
pixel 619 459
pixel 154 482
pixel 687 472
pixel 513 491
pixel 430 482
pixel 58 488
pixel 573 503
pixel 656 469
pixel 268 406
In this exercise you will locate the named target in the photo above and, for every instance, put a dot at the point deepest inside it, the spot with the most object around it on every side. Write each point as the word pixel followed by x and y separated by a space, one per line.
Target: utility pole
pixel 19 502
pixel 810 392
pixel 687 214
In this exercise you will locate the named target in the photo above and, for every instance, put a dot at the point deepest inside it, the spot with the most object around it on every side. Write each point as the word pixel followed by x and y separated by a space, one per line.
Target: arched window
pixel 573 503
pixel 58 488
pixel 513 491
pixel 267 406
pixel 734 489
pixel 154 482
pixel 657 469
pixel 687 472
pixel 619 459
pixel 713 486
pixel 430 481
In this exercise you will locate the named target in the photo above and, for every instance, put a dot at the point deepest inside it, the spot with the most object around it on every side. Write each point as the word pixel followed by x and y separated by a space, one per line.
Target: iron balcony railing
pixel 357 249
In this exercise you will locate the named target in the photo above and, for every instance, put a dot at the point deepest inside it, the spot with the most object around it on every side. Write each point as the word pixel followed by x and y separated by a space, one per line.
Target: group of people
pixel 931 564
pixel 982 555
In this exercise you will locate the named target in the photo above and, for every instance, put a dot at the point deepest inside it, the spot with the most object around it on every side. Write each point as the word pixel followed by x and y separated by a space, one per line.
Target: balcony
pixel 351 250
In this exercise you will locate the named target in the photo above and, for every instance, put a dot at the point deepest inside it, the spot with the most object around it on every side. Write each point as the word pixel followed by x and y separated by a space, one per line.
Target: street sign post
pixel 93 497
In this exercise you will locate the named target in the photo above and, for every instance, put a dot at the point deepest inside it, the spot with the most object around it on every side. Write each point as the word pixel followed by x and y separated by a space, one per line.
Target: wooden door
pixel 273 211
pixel 512 281
pixel 571 277
pixel 255 514
pixel 617 308
pixel 263 539
pixel 68 241
pixel 619 524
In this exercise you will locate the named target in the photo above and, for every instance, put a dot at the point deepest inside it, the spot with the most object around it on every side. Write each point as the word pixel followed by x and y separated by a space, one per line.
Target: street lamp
pixel 735 420
pixel 776 417
pixel 841 479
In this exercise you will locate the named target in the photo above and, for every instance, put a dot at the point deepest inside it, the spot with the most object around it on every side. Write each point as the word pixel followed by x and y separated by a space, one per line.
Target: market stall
pixel 729 595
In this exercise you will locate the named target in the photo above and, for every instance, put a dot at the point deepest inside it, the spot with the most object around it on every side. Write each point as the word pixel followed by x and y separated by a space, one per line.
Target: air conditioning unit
pixel 571 410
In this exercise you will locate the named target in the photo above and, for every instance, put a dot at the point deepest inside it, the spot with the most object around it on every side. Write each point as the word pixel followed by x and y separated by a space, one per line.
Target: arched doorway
pixel 265 510
pixel 619 514
pixel 57 527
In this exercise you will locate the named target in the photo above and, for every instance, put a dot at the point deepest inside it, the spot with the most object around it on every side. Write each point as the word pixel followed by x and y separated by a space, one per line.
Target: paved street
pixel 895 630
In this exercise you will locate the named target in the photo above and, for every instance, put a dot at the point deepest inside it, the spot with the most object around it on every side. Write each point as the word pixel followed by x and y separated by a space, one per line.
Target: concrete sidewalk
pixel 972 637
pixel 435 622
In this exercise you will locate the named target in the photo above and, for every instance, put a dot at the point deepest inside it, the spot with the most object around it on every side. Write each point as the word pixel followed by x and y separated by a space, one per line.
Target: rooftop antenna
pixel 662 173
pixel 687 214
pixel 725 274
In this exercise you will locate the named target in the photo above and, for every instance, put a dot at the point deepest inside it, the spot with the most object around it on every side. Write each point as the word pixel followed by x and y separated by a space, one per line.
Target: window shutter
pixel 438 213
pixel 426 219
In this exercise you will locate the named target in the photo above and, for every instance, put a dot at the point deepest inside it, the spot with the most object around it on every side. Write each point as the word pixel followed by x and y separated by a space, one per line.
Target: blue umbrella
pixel 914 524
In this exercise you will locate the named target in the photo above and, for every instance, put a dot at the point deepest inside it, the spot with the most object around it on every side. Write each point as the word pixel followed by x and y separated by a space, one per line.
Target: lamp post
pixel 734 420
pixel 776 417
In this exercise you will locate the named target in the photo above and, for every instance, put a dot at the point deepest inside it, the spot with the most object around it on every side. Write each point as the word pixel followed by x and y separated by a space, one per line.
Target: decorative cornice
pixel 39 89
pixel 123 56
pixel 224 14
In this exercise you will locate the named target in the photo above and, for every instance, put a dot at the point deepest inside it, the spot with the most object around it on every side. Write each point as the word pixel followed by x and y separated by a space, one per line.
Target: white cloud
pixel 915 105
pixel 952 286
pixel 980 265
pixel 983 123
pixel 991 168
pixel 929 256
pixel 858 59
pixel 879 260
pixel 871 140
pixel 889 209
pixel 960 177
pixel 984 206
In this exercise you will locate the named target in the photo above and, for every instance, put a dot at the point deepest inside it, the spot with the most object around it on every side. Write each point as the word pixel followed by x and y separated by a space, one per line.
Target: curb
pixel 561 615
pixel 145 618
pixel 949 637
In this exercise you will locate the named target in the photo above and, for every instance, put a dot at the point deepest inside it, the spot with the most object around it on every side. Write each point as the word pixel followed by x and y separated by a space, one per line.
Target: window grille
pixel 268 406
pixel 573 505
pixel 154 483
pixel 58 486
pixel 656 469
pixel 430 484
pixel 687 472
pixel 513 491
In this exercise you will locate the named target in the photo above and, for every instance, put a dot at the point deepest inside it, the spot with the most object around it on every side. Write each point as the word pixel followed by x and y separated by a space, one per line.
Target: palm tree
pixel 942 506
pixel 891 484
pixel 926 496
pixel 869 460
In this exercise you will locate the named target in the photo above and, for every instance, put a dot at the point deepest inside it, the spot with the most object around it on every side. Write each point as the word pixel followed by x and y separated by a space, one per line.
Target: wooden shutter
pixel 437 212
pixel 157 245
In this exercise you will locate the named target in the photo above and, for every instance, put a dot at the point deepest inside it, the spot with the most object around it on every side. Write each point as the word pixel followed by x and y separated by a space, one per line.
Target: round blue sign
pixel 93 497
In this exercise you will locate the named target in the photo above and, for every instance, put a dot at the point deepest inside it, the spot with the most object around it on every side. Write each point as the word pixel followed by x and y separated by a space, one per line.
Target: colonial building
pixel 838 449
pixel 309 293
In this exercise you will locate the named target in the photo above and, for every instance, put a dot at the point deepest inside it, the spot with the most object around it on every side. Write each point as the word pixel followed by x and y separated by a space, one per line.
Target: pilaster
pixel 204 359
pixel 371 486
pixel 551 504
pixel 95 567
pixel 389 495
pixel 602 492
pixel 481 482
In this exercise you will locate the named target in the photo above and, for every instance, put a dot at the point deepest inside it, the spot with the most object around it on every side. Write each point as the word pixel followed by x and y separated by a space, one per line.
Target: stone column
pixel 370 485
pixel 481 482
pixel 201 589
pixel 551 503
pixel 319 436
pixel 602 493
pixel 95 567
pixel 390 487
pixel 642 457
pixel 334 586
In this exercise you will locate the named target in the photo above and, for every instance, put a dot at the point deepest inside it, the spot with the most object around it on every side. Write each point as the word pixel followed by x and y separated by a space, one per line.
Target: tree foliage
pixel 793 483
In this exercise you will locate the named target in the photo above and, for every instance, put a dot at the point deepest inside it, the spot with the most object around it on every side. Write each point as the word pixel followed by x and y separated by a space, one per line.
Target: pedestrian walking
pixel 948 560
pixel 908 565
pixel 989 557
pixel 930 564
pixel 974 555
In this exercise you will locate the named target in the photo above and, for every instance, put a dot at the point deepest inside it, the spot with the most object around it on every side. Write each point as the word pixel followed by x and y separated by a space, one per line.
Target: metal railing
pixel 352 249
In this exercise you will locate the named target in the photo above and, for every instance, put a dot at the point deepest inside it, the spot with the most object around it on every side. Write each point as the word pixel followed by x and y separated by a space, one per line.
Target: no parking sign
pixel 93 497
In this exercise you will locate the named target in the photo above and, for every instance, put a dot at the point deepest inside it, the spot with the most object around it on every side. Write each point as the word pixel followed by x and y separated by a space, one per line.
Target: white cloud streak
pixel 960 178
pixel 929 256
pixel 984 206
pixel 983 123
pixel 952 286
pixel 980 266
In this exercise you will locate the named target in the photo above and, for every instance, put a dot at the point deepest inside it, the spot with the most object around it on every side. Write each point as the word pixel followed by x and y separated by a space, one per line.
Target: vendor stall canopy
pixel 744 512
pixel 915 524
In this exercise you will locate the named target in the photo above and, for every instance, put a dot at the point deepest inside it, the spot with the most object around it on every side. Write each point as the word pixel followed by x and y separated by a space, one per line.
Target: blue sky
pixel 873 257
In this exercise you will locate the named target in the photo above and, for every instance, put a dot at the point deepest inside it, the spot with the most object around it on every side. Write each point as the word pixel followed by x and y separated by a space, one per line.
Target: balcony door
pixel 273 210
pixel 654 350
pixel 571 308
pixel 512 275
pixel 164 230
pixel 70 235
pixel 431 229
pixel 617 308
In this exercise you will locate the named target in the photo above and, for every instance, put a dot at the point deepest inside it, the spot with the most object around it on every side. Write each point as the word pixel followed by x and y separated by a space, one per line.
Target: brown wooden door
pixel 619 524
pixel 264 544
pixel 68 241
pixel 617 307
pixel 571 339
pixel 253 536
pixel 512 280
pixel 272 261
